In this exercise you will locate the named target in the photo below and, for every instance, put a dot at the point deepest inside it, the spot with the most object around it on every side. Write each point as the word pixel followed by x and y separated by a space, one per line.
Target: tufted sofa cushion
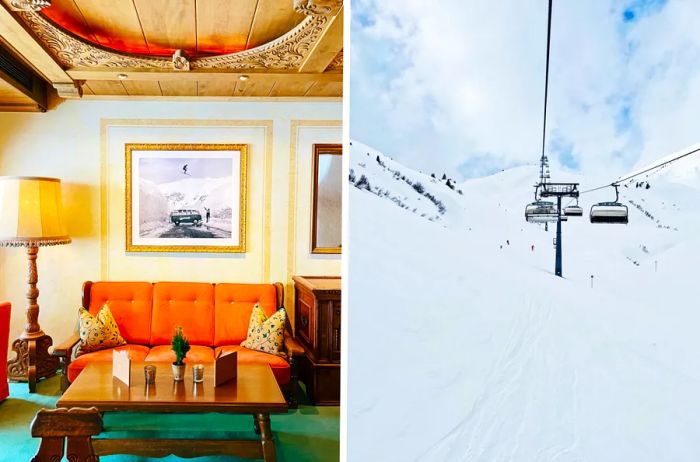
pixel 130 304
pixel 233 304
pixel 279 366
pixel 136 353
pixel 186 304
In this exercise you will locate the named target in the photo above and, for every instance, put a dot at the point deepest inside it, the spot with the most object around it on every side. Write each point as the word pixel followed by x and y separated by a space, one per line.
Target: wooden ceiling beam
pixel 209 75
pixel 327 47
pixel 18 37
pixel 29 107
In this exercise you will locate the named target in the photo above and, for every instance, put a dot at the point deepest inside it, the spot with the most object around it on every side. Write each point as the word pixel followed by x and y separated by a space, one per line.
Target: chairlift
pixel 610 212
pixel 541 212
pixel 573 210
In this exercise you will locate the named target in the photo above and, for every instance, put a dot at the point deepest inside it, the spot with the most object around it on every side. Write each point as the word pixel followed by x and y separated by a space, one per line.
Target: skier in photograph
pixel 208 213
pixel 532 247
pixel 184 169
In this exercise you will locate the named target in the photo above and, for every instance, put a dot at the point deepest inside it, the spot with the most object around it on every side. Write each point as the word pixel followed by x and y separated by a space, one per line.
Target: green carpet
pixel 307 434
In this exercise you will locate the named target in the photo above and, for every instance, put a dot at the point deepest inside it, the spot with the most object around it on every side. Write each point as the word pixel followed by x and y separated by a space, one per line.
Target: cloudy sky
pixel 167 169
pixel 457 85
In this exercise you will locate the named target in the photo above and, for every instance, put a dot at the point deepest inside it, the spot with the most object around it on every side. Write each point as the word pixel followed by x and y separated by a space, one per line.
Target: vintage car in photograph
pixel 186 216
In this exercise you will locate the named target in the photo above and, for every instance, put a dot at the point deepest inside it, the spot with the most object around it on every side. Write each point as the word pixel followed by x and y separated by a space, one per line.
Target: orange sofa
pixel 4 338
pixel 213 316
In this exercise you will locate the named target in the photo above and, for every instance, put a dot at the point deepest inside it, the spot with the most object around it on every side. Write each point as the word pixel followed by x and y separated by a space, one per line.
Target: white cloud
pixel 458 86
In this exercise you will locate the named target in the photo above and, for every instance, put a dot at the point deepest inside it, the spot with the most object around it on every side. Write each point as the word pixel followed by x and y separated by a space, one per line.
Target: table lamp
pixel 31 216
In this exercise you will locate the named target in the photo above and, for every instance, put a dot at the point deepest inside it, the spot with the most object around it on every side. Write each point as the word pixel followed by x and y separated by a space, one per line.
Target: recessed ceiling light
pixel 243 77
pixel 122 76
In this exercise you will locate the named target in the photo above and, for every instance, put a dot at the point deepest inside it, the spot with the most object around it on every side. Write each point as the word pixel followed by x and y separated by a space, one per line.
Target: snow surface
pixel 465 348
pixel 156 201
pixel 197 193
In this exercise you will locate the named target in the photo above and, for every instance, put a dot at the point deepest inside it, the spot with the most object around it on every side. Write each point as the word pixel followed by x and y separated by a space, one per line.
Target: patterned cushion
pixel 266 334
pixel 98 332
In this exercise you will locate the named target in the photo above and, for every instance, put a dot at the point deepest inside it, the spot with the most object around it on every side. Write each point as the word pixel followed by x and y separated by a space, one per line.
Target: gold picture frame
pixel 200 236
pixel 316 246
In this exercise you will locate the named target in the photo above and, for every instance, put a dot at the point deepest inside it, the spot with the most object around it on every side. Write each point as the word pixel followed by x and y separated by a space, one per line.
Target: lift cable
pixel 546 87
pixel 629 177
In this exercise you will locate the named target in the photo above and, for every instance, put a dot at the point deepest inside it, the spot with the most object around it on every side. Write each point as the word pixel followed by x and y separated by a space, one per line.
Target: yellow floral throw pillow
pixel 98 332
pixel 266 334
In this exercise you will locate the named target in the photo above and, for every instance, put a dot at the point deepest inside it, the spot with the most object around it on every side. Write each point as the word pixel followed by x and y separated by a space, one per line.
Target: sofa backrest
pixel 233 304
pixel 186 304
pixel 210 314
pixel 130 303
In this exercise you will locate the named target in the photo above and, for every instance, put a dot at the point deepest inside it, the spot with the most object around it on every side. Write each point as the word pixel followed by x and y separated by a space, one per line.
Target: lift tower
pixel 559 190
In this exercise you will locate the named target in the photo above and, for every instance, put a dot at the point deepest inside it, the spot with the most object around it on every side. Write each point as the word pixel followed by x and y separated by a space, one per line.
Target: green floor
pixel 310 433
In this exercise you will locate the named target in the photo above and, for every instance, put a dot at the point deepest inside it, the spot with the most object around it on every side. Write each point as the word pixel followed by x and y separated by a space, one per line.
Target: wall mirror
pixel 326 220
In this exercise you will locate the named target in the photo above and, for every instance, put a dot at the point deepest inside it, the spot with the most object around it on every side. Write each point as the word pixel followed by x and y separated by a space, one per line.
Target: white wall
pixel 73 141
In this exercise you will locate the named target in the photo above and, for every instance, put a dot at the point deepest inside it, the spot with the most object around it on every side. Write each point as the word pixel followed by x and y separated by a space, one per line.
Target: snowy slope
pixel 470 349
pixel 416 192
pixel 197 193
pixel 685 171
pixel 153 206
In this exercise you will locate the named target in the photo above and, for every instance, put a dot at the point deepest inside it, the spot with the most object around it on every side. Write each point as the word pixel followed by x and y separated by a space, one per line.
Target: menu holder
pixel 225 368
pixel 121 366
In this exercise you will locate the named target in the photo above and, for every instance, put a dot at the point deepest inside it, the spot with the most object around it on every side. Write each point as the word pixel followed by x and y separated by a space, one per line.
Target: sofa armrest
pixel 64 352
pixel 293 347
pixel 65 349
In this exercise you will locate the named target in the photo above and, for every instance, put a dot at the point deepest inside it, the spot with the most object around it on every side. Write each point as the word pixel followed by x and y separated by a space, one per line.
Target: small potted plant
pixel 180 346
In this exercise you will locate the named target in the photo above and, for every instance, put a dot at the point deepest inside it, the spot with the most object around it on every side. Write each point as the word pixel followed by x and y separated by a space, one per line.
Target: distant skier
pixel 507 242
pixel 208 213
pixel 532 247
pixel 184 169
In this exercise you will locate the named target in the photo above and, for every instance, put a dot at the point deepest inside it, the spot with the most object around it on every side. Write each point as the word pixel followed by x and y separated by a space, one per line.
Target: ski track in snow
pixel 483 355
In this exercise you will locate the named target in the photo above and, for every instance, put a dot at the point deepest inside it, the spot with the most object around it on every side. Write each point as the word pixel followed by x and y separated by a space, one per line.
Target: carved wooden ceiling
pixel 217 48
pixel 160 27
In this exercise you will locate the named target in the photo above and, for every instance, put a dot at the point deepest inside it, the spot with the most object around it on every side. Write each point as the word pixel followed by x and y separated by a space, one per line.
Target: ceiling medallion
pixel 31 5
pixel 180 61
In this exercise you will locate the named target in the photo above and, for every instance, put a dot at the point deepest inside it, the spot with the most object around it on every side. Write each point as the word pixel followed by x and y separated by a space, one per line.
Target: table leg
pixel 79 449
pixel 50 449
pixel 268 445
pixel 256 424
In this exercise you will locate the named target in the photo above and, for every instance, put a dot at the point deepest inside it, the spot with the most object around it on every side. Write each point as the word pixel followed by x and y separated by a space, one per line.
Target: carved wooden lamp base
pixel 32 361
pixel 32 217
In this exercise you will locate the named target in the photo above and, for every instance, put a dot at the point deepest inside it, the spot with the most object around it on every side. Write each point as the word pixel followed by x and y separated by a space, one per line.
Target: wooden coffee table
pixel 255 392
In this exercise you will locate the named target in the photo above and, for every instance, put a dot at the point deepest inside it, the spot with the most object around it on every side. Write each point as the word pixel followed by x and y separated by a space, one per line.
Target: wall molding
pixel 106 124
pixel 295 126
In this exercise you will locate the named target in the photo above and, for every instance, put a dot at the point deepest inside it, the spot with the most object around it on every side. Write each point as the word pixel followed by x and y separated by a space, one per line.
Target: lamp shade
pixel 31 212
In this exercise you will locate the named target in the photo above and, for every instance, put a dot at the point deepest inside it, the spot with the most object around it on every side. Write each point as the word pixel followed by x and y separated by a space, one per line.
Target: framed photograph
pixel 186 197
pixel 326 219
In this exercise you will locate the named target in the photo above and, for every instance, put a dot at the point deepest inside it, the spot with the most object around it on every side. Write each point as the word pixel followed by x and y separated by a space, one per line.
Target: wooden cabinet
pixel 317 328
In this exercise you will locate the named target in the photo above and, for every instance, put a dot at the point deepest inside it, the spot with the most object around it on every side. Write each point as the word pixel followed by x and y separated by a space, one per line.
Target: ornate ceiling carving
pixel 313 7
pixel 337 63
pixel 285 53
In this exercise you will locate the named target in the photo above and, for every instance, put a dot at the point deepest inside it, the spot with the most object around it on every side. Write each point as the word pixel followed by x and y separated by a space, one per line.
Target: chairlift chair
pixel 610 212
pixel 573 211
pixel 541 212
